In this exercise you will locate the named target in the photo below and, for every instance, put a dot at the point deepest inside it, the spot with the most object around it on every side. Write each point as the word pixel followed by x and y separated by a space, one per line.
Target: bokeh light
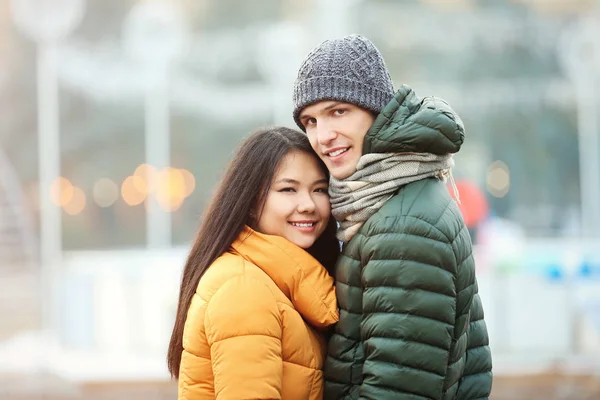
pixel 76 204
pixel 498 179
pixel 129 190
pixel 105 192
pixel 61 191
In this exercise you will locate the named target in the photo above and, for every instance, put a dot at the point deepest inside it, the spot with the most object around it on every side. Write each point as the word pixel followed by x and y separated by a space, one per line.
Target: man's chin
pixel 341 173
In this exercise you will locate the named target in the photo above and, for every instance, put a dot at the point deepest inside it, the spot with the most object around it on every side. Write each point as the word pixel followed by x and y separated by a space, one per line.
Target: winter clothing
pixel 350 69
pixel 411 321
pixel 377 178
pixel 253 328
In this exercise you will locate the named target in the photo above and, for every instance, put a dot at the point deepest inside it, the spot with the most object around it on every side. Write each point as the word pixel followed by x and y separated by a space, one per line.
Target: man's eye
pixel 339 112
pixel 311 121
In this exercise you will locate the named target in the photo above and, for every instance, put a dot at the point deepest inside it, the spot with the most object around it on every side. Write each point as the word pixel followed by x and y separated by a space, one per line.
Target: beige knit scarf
pixel 378 176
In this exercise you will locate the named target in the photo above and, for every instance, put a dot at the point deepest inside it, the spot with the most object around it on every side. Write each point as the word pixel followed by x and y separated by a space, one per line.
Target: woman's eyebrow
pixel 287 180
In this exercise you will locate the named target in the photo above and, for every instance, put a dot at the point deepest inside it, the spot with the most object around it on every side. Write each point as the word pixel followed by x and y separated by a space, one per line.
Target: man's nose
pixel 325 134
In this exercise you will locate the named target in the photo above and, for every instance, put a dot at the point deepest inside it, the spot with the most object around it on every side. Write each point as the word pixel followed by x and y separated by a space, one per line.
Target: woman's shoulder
pixel 228 267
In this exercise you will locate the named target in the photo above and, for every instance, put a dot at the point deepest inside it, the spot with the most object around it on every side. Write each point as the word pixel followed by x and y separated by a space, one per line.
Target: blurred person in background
pixel 411 321
pixel 256 296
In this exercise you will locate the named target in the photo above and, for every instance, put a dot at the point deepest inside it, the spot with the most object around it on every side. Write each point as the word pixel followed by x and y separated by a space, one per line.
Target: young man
pixel 411 321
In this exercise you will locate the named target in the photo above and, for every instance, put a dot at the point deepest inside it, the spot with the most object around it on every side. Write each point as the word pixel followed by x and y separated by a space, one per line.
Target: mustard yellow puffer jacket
pixel 252 330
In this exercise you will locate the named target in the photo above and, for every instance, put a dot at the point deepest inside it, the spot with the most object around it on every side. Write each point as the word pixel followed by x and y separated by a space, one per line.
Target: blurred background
pixel 119 116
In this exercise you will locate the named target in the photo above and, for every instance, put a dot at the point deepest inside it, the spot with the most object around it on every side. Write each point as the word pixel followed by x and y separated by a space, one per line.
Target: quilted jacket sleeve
pixel 476 382
pixel 409 310
pixel 243 328
pixel 472 357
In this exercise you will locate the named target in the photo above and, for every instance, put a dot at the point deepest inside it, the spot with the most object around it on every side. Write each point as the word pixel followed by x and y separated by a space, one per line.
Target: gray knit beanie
pixel 350 69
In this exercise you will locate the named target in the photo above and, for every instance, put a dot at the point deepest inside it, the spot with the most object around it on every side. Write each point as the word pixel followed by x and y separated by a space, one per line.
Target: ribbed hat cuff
pixel 313 90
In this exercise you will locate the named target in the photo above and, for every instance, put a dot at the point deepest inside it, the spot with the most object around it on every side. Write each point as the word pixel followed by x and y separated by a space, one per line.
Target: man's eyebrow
pixel 329 107
pixel 333 105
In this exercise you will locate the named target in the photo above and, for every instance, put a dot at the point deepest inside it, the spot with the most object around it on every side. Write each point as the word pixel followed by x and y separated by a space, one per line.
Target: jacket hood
pixel 300 276
pixel 410 124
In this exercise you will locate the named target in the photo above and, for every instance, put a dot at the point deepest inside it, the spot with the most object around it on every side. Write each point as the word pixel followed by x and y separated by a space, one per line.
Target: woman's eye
pixel 288 189
pixel 322 190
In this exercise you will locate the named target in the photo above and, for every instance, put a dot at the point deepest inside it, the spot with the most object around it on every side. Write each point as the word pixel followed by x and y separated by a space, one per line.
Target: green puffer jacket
pixel 411 322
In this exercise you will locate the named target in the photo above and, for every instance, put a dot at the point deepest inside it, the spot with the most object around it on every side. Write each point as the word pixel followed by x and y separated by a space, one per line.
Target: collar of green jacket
pixel 411 124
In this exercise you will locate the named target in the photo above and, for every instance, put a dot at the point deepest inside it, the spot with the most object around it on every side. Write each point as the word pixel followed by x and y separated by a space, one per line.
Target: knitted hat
pixel 350 69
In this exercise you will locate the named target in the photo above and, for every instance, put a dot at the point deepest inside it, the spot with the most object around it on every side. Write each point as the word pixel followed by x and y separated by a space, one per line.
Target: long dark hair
pixel 242 191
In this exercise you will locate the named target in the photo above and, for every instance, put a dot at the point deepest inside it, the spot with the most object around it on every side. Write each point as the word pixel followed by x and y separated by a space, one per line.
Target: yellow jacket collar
pixel 299 275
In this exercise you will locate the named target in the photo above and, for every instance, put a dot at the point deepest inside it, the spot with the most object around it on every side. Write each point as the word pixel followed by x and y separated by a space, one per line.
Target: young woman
pixel 256 295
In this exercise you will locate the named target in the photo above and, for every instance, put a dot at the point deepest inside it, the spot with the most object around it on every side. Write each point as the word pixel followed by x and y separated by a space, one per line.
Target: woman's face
pixel 297 205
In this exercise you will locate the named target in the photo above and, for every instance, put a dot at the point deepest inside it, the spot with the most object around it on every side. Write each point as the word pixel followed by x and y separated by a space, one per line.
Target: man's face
pixel 336 131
